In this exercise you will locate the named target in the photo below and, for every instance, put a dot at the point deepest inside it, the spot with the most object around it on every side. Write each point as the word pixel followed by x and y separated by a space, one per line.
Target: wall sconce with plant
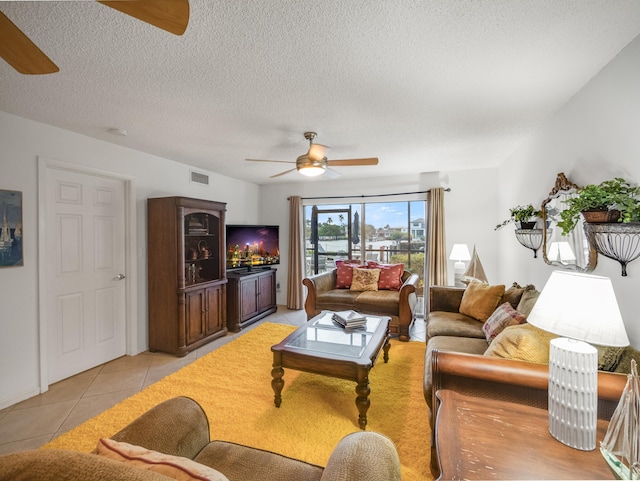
pixel 525 218
pixel 611 212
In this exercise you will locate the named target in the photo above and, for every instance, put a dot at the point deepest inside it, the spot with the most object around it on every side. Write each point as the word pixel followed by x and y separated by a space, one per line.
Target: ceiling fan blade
pixel 281 173
pixel 169 15
pixel 348 162
pixel 279 161
pixel 316 151
pixel 20 52
pixel 332 174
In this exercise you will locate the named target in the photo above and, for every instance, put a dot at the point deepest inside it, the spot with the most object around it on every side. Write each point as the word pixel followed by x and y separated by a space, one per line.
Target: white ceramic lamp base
pixel 458 273
pixel 573 393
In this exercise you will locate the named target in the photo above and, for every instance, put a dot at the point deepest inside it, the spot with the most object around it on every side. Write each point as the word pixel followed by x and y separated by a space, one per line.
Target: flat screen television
pixel 250 246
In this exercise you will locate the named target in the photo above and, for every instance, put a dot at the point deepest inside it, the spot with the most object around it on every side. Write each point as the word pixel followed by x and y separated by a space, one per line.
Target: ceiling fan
pixel 25 56
pixel 314 162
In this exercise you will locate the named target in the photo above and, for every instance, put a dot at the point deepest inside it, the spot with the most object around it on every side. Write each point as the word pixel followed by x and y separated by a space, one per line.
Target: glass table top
pixel 326 336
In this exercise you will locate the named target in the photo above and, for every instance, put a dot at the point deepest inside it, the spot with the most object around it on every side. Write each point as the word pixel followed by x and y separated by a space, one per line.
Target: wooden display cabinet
pixel 251 296
pixel 186 273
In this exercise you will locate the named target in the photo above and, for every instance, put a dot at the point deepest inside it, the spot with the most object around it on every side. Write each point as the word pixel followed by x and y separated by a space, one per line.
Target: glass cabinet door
pixel 201 248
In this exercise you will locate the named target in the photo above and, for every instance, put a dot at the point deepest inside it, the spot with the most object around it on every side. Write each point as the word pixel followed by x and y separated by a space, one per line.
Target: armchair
pixel 179 427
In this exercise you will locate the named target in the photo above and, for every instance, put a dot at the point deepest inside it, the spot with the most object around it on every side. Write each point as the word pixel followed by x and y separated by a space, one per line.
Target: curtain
pixel 437 240
pixel 295 297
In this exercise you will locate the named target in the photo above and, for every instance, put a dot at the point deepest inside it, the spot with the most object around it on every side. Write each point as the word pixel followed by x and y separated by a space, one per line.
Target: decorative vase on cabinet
pixel 186 273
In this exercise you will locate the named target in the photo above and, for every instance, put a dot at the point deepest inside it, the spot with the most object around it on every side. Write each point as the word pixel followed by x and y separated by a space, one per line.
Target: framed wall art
pixel 11 228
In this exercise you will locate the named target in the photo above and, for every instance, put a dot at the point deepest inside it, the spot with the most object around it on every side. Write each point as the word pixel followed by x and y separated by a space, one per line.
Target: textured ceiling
pixel 423 85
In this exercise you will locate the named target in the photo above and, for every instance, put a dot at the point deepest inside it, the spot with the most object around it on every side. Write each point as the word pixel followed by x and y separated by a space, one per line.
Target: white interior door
pixel 85 274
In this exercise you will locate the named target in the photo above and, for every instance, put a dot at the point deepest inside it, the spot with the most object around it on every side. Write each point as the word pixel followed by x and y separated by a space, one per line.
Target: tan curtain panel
pixel 295 296
pixel 437 240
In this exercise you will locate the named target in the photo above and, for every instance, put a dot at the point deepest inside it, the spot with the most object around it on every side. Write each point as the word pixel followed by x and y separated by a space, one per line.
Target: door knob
pixel 119 277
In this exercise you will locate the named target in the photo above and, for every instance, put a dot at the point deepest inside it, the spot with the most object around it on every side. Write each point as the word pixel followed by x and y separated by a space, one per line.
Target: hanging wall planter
pixel 528 225
pixel 609 201
pixel 599 216
pixel 617 241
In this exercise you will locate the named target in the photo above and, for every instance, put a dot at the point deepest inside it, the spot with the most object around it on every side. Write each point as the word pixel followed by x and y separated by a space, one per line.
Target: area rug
pixel 233 385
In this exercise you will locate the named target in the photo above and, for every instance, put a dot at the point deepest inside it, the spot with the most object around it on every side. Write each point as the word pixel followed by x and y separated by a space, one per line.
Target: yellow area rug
pixel 233 385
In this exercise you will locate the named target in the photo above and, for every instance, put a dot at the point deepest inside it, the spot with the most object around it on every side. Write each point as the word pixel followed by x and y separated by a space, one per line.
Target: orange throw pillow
pixel 176 467
pixel 480 300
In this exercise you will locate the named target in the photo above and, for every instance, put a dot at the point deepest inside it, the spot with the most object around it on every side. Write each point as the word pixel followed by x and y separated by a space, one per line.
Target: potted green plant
pixel 524 216
pixel 610 201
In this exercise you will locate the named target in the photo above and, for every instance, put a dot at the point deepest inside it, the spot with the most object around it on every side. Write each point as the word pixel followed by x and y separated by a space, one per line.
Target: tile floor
pixel 35 421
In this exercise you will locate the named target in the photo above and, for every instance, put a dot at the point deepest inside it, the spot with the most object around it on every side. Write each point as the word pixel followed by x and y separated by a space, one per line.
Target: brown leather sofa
pixel 180 427
pixel 450 330
pixel 454 359
pixel 399 305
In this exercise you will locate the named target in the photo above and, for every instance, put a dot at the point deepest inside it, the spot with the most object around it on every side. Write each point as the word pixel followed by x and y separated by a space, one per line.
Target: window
pixel 387 232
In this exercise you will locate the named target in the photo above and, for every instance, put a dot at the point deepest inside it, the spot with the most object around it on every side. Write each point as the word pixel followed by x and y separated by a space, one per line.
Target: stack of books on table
pixel 349 319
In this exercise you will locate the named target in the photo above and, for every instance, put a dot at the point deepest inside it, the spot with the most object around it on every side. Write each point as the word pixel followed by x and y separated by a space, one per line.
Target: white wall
pixel 22 142
pixel 594 137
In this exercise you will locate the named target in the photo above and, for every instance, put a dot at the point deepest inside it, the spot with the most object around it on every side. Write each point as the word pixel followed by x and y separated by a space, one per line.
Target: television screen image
pixel 252 245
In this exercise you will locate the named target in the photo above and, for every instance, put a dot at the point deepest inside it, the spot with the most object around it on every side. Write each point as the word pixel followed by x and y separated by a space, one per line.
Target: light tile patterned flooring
pixel 68 403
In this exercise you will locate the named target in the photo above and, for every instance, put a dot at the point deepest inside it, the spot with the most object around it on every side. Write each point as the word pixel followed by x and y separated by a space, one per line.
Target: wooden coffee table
pixel 323 347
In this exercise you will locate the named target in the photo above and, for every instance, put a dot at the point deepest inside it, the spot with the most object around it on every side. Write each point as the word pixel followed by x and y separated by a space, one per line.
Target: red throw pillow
pixel 390 275
pixel 344 274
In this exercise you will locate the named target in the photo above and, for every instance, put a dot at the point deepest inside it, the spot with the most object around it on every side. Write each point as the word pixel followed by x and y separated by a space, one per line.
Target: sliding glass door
pixel 329 237
pixel 387 232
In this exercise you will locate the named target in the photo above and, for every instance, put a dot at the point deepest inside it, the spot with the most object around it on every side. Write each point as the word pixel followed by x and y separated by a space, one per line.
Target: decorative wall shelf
pixel 617 241
pixel 531 239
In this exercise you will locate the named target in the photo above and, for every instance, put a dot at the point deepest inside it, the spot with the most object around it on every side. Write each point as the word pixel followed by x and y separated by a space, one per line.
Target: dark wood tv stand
pixel 251 295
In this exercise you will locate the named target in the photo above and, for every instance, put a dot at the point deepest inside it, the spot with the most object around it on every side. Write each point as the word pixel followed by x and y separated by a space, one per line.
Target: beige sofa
pixel 399 305
pixel 179 427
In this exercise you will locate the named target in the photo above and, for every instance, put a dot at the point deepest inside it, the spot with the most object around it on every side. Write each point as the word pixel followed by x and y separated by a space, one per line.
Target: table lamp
pixel 583 309
pixel 561 252
pixel 459 253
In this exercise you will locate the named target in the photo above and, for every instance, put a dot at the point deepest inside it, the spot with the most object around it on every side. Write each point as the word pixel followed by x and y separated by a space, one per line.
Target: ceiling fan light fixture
pixel 315 163
pixel 311 170
pixel 311 167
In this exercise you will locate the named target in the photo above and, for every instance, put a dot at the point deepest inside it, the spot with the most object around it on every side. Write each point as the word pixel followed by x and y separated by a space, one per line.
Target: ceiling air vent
pixel 199 178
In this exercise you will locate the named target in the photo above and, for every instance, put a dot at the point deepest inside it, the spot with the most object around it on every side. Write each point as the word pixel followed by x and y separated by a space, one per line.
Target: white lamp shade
pixel 580 306
pixel 460 252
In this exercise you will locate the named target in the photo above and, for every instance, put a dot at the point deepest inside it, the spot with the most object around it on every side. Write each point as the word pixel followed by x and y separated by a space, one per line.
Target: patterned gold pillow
pixel 365 279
